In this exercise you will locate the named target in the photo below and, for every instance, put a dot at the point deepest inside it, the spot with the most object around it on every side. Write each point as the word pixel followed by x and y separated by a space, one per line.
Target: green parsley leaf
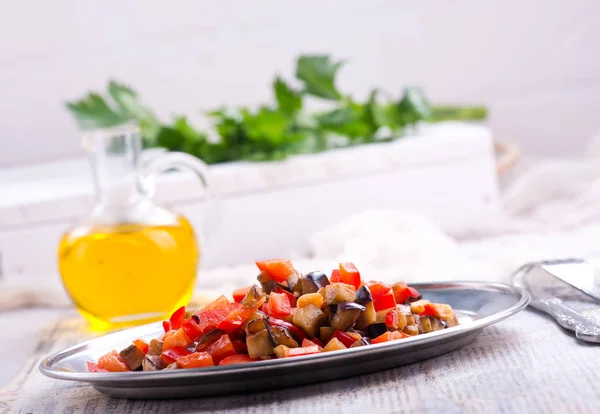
pixel 318 74
pixel 289 100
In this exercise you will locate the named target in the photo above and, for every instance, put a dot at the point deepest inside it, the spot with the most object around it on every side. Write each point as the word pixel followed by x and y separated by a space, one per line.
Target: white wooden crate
pixel 268 209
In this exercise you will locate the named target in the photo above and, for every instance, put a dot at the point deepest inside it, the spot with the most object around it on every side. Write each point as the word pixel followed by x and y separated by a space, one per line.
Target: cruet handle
pixel 182 161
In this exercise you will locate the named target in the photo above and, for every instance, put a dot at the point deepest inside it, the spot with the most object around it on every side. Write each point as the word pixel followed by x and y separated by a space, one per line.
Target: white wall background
pixel 534 62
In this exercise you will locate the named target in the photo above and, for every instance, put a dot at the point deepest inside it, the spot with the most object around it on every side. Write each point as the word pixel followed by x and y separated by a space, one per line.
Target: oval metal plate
pixel 477 304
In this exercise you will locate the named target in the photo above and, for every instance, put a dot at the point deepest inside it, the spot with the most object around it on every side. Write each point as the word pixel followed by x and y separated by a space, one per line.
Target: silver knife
pixel 586 329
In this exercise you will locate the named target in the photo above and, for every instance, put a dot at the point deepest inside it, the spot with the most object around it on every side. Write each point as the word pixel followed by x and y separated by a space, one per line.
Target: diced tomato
pixel 240 346
pixel 141 345
pixel 391 319
pixel 112 362
pixel 240 294
pixel 289 295
pixel 278 305
pixel 175 339
pixel 236 359
pixel 307 342
pixel 439 310
pixel 344 338
pixel 389 336
pixel 294 330
pixel 222 348
pixel 93 367
pixel 335 276
pixel 219 303
pixel 171 355
pixel 240 314
pixel 314 349
pixel 403 292
pixel 199 324
pixel 166 326
pixel 349 275
pixel 277 269
pixel 195 360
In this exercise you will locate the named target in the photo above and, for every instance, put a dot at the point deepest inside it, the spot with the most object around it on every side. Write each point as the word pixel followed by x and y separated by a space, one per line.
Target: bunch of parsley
pixel 274 131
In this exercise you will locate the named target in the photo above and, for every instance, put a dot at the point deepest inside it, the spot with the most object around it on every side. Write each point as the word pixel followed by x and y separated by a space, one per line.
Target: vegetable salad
pixel 287 314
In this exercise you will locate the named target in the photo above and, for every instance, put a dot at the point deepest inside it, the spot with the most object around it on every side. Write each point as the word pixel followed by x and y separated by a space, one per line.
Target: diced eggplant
pixel 133 357
pixel 313 298
pixel 281 351
pixel 254 295
pixel 411 330
pixel 310 319
pixel 282 336
pixel 451 322
pixel 325 333
pixel 376 329
pixel 318 278
pixel 339 292
pixel 366 318
pixel 260 344
pixel 426 324
pixel 172 366
pixel 293 282
pixel 363 296
pixel 436 323
pixel 308 286
pixel 381 315
pixel 362 342
pixel 401 320
pixel 268 285
pixel 334 344
pixel 155 347
pixel 208 338
pixel 153 363
pixel 346 314
pixel 257 324
pixel 357 332
pixel 418 306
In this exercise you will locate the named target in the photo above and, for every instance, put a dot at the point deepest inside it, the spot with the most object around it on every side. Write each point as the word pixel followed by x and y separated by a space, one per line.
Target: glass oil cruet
pixel 130 261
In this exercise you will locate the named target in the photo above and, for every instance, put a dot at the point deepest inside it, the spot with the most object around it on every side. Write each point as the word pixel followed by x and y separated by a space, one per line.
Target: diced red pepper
pixel 439 310
pixel 307 342
pixel 289 295
pixel 349 275
pixel 171 355
pixel 344 338
pixel 317 342
pixel 235 319
pixel 175 339
pixel 335 276
pixel 277 269
pixel 389 336
pixel 177 318
pixel 278 305
pixel 219 303
pixel 383 296
pixel 314 349
pixel 382 302
pixel 240 346
pixel 403 292
pixel 294 330
pixel 166 326
pixel 240 294
pixel 378 288
pixel 220 349
pixel 236 359
pixel 201 323
pixel 93 367
pixel 195 360
pixel 391 319
pixel 112 362
pixel 141 345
